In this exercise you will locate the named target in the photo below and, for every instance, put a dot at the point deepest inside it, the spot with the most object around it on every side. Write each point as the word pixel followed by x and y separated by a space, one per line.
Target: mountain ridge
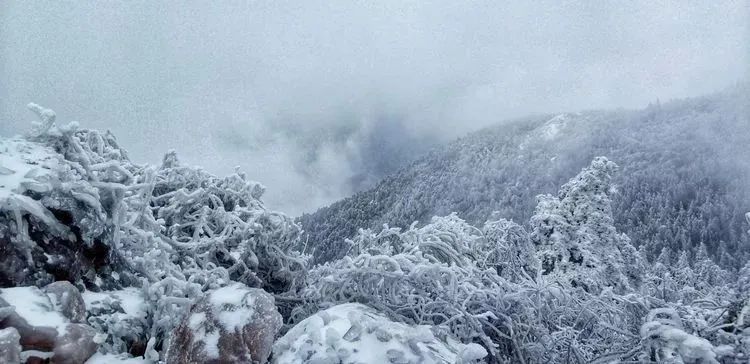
pixel 683 158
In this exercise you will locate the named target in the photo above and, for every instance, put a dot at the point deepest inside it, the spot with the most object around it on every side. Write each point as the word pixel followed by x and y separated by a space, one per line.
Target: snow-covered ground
pixel 354 333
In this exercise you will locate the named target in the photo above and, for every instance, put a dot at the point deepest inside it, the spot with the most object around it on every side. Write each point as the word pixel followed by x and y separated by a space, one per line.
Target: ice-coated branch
pixel 46 116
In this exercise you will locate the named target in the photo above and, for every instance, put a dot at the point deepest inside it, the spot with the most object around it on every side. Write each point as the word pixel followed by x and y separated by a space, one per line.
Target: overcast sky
pixel 318 99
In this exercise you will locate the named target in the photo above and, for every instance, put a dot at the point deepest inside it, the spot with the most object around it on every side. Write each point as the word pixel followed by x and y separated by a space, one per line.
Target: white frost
pixel 212 344
pixel 131 300
pixel 100 358
pixel 241 311
pixel 22 162
pixel 354 333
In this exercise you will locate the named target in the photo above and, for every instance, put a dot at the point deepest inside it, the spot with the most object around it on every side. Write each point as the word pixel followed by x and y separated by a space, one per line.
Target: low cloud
pixel 320 99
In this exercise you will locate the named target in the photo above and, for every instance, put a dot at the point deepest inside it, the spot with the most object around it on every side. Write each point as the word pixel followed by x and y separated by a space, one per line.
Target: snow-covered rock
pixel 22 164
pixel 10 347
pixel 41 327
pixel 233 324
pixel 67 299
pixel 355 333
pixel 75 344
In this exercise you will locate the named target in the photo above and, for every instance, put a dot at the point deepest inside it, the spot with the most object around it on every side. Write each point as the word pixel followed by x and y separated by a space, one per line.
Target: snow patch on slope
pixel 548 131
pixel 552 127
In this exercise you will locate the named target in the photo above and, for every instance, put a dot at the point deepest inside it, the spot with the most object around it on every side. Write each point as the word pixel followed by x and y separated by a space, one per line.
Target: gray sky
pixel 319 99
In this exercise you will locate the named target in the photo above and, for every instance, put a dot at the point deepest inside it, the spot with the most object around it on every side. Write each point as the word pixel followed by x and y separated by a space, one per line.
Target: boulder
pixel 68 300
pixel 233 324
pixel 354 333
pixel 42 327
pixel 10 346
pixel 75 345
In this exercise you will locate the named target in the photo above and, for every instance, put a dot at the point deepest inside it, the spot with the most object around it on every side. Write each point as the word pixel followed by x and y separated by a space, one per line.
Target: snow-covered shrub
pixel 525 320
pixel 510 250
pixel 81 211
pixel 220 223
pixel 121 318
pixel 665 340
pixel 575 233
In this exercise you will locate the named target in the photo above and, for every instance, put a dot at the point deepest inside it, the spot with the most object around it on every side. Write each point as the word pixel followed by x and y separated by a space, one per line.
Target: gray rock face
pixel 75 345
pixel 234 324
pixel 68 300
pixel 10 347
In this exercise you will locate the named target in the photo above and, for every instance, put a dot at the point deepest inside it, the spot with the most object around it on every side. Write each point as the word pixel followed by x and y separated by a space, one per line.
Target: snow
pixel 212 344
pixel 33 306
pixel 210 339
pixel 242 311
pixel 100 358
pixel 354 333
pixel 552 127
pixel 674 342
pixel 549 131
pixel 130 299
pixel 196 319
pixel 21 162
pixel 10 347
pixel 25 355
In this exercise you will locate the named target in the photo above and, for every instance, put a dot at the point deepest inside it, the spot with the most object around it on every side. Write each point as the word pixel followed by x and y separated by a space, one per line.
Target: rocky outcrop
pixel 44 326
pixel 355 333
pixel 234 324
pixel 68 300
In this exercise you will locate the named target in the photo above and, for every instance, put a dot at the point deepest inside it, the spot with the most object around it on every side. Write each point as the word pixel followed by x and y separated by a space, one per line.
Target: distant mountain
pixel 683 178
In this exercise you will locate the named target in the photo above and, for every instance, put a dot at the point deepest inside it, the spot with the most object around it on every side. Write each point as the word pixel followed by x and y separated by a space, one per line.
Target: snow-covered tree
pixel 575 234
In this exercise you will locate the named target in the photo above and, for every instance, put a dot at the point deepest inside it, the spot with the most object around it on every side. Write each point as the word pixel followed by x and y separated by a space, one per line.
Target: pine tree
pixel 708 274
pixel 665 257
pixel 683 273
pixel 575 234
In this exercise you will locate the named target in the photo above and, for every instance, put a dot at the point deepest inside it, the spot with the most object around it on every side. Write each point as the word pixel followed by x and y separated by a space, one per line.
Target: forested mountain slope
pixel 683 180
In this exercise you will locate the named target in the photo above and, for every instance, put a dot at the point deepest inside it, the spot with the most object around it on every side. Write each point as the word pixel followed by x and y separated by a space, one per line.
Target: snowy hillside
pixel 105 260
pixel 684 167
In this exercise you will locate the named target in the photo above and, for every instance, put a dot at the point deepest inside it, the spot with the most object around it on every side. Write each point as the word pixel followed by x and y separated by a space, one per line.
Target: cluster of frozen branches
pixel 571 290
pixel 174 231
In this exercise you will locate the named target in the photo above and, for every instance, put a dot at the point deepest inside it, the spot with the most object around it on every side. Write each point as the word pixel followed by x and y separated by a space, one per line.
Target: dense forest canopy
pixel 684 166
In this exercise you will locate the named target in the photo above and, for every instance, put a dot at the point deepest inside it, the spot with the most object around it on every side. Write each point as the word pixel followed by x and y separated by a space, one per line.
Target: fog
pixel 320 99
